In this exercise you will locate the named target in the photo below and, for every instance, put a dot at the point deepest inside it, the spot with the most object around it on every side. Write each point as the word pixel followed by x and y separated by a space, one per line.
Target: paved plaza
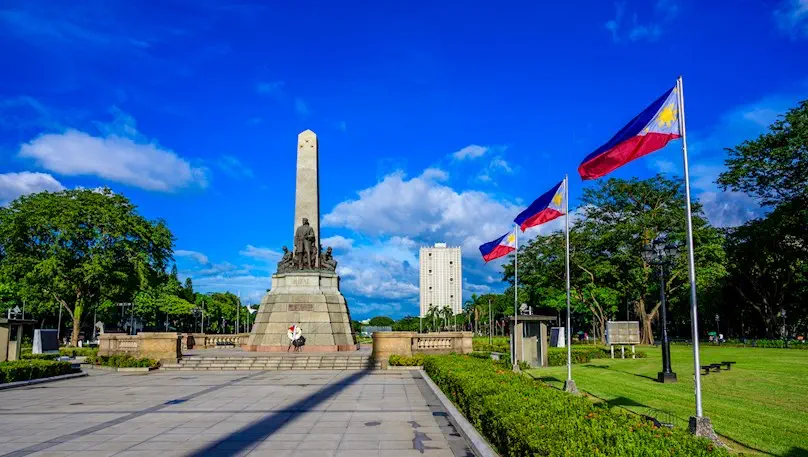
pixel 256 413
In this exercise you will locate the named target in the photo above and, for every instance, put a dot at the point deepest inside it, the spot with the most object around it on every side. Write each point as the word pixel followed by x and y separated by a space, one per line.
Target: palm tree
pixel 446 311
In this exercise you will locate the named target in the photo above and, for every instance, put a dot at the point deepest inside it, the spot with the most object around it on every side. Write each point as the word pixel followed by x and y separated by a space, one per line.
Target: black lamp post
pixel 661 253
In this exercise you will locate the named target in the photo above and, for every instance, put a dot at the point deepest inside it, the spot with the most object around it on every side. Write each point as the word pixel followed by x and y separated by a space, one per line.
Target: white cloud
pixel 13 185
pixel 266 254
pixel 233 167
pixel 338 243
pixel 120 154
pixel 197 256
pixel 424 209
pixel 792 18
pixel 269 87
pixel 301 107
pixel 434 174
pixel 471 151
pixel 636 30
pixel 664 166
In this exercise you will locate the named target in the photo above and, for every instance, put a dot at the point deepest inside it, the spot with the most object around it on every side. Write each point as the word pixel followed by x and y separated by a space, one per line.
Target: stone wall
pixel 386 344
pixel 165 347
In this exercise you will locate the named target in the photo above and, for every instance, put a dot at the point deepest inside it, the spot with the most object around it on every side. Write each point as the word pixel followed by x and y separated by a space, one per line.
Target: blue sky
pixel 435 122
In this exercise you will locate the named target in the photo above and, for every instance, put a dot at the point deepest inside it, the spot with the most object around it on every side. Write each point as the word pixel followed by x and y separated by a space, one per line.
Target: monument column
pixel 307 191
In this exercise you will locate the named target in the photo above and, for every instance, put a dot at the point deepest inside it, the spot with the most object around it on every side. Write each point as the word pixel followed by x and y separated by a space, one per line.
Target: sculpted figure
pixel 287 262
pixel 327 261
pixel 304 246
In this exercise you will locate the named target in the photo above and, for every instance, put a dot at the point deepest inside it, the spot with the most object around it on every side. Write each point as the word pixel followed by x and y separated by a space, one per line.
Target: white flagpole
pixel 515 297
pixel 569 385
pixel 698 426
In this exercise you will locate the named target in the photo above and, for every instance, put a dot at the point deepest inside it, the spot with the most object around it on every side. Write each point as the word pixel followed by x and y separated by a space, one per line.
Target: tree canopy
pixel 79 247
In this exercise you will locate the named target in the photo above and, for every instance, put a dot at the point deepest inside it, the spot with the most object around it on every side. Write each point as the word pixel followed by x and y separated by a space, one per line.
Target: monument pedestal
pixel 312 301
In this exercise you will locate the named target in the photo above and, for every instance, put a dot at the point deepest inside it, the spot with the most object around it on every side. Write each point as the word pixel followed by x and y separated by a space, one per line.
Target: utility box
pixel 11 337
pixel 529 339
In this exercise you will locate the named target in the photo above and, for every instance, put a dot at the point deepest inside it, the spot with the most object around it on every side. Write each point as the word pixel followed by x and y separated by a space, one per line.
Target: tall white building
pixel 441 278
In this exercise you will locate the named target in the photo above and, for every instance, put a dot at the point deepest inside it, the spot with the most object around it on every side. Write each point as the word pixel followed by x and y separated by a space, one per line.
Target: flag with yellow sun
pixel 649 131
pixel 544 209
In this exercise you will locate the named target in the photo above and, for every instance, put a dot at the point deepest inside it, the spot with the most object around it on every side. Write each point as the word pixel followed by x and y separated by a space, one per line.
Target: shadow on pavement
pixel 242 439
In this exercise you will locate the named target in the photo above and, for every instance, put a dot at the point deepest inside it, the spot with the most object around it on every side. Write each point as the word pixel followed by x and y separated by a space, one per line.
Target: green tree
pixel 80 247
pixel 381 321
pixel 188 290
pixel 768 270
pixel 773 168
pixel 407 324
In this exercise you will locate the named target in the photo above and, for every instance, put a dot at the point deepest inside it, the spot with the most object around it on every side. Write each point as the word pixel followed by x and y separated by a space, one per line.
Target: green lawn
pixel 761 403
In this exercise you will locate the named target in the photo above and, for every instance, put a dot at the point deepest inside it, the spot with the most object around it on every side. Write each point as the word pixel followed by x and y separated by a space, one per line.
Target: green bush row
pixel 520 417
pixel 78 352
pixel 406 361
pixel 500 344
pixel 557 357
pixel 774 344
pixel 29 356
pixel 124 361
pixel 24 370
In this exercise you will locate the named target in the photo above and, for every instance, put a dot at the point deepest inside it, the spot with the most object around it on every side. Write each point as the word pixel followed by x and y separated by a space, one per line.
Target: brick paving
pixel 265 413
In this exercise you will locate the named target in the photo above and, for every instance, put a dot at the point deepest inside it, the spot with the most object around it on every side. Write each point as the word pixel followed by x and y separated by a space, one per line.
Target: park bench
pixel 716 367
pixel 727 365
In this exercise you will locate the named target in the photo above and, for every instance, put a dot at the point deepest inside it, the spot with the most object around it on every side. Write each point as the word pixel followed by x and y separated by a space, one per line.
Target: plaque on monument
pixel 305 289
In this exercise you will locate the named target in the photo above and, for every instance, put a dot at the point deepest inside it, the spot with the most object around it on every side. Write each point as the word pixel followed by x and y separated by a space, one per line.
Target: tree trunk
pixel 77 314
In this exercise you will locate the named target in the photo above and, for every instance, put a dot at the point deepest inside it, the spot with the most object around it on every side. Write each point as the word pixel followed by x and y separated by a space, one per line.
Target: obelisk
pixel 307 191
pixel 307 298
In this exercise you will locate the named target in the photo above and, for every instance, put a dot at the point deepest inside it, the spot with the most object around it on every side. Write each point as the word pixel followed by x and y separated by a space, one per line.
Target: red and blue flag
pixel 544 209
pixel 500 247
pixel 651 130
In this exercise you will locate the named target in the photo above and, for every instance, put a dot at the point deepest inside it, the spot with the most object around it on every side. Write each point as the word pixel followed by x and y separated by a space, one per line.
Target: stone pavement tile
pixel 416 453
pixel 282 445
pixel 259 452
pixel 317 444
pixel 360 445
pixel 95 453
pixel 116 446
pixel 70 446
pixel 287 437
pixel 358 453
pixel 50 453
pixel 399 444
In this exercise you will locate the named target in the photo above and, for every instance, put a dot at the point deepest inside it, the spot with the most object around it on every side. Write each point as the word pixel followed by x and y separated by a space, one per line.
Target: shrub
pixel 500 344
pixel 558 356
pixel 406 361
pixel 520 417
pixel 30 356
pixel 78 352
pixel 124 361
pixel 24 370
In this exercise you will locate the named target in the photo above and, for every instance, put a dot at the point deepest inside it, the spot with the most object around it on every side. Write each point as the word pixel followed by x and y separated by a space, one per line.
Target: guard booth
pixel 11 331
pixel 529 339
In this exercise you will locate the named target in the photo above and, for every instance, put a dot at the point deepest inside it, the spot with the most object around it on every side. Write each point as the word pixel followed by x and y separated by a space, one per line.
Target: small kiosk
pixel 530 339
pixel 11 337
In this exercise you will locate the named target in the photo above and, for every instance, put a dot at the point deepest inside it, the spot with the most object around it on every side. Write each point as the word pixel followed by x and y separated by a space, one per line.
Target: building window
pixel 451 296
pixel 430 287
pixel 450 262
pixel 430 271
pixel 451 279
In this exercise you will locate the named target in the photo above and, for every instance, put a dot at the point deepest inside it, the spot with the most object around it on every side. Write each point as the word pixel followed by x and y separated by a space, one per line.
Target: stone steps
pixel 209 363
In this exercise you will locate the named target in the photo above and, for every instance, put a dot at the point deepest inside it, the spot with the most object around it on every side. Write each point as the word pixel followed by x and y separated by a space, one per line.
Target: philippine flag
pixel 502 246
pixel 546 208
pixel 649 131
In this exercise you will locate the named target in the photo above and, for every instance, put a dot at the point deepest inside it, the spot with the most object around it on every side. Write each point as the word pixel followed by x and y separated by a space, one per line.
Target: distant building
pixel 441 278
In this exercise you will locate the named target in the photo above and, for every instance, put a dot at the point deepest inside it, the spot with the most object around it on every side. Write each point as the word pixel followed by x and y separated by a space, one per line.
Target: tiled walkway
pixel 274 413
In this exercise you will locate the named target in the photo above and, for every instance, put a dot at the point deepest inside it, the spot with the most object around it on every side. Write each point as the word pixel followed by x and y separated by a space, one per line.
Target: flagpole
pixel 699 424
pixel 569 385
pixel 515 297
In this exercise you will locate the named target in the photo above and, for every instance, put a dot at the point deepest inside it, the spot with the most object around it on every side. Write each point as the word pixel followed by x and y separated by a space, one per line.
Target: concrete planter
pixel 124 370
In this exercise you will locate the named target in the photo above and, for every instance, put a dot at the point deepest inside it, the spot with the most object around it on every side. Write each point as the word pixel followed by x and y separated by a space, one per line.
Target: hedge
pixel 521 417
pixel 557 357
pixel 78 352
pixel 750 343
pixel 24 370
pixel 406 361
pixel 124 361
pixel 38 356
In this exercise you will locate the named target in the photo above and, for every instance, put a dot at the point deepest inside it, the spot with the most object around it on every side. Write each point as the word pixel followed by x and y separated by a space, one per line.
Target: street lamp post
pixel 661 254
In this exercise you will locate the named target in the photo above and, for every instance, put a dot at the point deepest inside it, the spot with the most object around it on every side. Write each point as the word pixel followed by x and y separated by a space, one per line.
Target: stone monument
pixel 305 289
